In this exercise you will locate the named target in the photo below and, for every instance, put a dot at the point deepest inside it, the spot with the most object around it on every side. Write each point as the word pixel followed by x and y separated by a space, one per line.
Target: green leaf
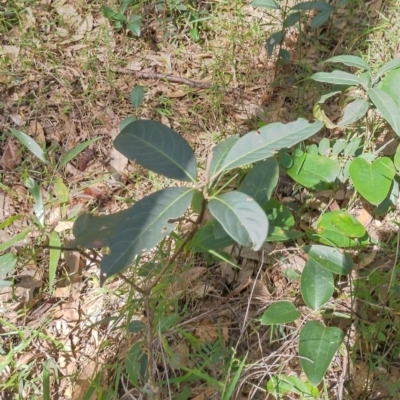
pixel 112 15
pixel 286 160
pixel 147 222
pixel 353 147
pixel 396 159
pixel 274 40
pixel 137 95
pixel 135 363
pixel 324 147
pixel 241 217
pixel 372 180
pixel 262 144
pixel 135 326
pixel 281 385
pixel 61 191
pixel 316 284
pixel 391 201
pixel 15 239
pixel 314 171
pixel 30 144
pixel 157 148
pixel 351 61
pixel 389 66
pixel 219 153
pixel 337 78
pixel 7 264
pixel 330 258
pixel 135 24
pixel 328 233
pixel 126 122
pixel 280 312
pixel 391 85
pixel 387 107
pixel 54 241
pixel 338 147
pixel 270 4
pixel 317 346
pixel 38 205
pixel 353 112
pixel 348 224
pixel 204 239
pixel 291 19
pixel 261 181
pixel 320 19
pixel 69 155
pixel 313 5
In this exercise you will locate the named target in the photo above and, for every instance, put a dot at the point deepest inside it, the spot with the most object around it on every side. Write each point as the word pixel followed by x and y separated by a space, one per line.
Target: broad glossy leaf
pixel 328 233
pixel 324 147
pixel 270 4
pixel 219 153
pixel 135 24
pixel 330 258
pixel 314 171
pixel 391 201
pixel 261 181
pixel 317 346
pixel 30 144
pixel 372 180
pixel 353 112
pixel 204 239
pixel 351 61
pixel 157 148
pixel 316 284
pixel 69 155
pixel 7 263
pixel 313 5
pixel 137 95
pixel 387 107
pixel 241 217
pixel 320 19
pixel 337 78
pixel 391 85
pixel 280 312
pixel 348 224
pixel 147 222
pixel 262 144
pixel 389 66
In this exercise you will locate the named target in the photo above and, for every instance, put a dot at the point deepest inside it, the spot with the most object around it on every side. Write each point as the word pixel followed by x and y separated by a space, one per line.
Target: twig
pixel 176 79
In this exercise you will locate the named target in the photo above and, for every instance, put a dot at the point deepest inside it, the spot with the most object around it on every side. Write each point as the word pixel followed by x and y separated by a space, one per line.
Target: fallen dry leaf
pixel 11 157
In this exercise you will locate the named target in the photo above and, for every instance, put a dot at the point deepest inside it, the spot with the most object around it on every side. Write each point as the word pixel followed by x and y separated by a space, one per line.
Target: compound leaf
pixel 146 223
pixel 330 258
pixel 316 284
pixel 387 107
pixel 157 148
pixel 262 144
pixel 261 181
pixel 241 217
pixel 317 346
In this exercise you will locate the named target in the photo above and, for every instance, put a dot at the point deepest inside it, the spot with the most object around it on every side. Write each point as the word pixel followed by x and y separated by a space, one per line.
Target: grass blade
pixel 69 155
pixel 31 145
pixel 54 241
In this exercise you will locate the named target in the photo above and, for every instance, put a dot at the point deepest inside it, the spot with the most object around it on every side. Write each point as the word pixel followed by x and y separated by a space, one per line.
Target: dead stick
pixel 176 79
